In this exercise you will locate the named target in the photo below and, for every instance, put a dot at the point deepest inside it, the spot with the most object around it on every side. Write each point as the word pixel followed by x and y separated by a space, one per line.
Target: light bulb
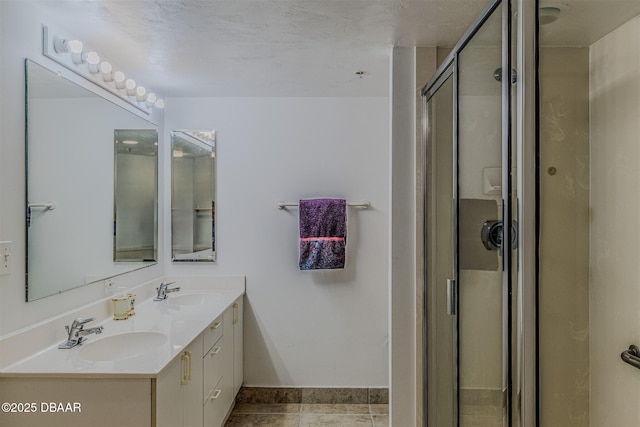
pixel 159 103
pixel 140 93
pixel 130 86
pixel 151 100
pixel 75 46
pixel 119 79
pixel 92 59
pixel 63 45
pixel 75 49
pixel 106 69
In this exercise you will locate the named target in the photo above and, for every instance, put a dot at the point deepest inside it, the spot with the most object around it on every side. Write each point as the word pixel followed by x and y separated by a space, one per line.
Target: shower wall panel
pixel 564 237
pixel 615 225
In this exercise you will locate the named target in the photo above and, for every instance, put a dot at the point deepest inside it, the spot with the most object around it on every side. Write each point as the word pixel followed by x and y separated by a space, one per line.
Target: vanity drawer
pixel 212 334
pixel 214 408
pixel 213 365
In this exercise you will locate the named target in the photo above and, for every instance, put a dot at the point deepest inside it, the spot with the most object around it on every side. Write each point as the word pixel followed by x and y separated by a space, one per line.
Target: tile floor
pixel 308 415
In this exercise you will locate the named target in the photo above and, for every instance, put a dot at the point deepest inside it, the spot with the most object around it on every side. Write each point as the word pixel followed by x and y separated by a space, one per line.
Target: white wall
pixel 20 38
pixel 614 317
pixel 402 234
pixel 302 328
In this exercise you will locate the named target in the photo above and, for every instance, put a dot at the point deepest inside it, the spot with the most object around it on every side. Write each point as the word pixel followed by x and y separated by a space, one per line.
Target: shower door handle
pixel 452 297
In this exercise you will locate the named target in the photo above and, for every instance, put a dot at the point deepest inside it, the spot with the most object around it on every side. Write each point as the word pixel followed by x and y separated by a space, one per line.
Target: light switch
pixel 5 258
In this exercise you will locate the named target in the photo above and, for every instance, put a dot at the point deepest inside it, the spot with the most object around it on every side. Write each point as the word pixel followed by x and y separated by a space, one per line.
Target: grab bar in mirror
pixel 47 206
pixel 632 356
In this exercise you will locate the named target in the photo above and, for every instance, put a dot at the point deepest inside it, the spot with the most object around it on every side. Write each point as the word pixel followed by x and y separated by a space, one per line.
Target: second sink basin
pixel 200 298
pixel 121 346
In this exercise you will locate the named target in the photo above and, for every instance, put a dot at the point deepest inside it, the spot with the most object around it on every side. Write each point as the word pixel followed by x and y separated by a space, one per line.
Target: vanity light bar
pixel 71 54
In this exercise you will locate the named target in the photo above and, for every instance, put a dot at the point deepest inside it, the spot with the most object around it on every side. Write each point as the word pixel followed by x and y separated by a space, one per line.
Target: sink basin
pixel 121 346
pixel 204 298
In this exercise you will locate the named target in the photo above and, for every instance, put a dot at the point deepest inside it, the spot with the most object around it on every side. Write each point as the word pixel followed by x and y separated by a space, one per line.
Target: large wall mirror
pixel 193 195
pixel 82 201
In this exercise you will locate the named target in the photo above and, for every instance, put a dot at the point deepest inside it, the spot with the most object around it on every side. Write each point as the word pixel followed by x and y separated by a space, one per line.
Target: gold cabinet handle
pixel 216 394
pixel 184 360
pixel 215 325
pixel 188 354
pixel 215 351
pixel 235 313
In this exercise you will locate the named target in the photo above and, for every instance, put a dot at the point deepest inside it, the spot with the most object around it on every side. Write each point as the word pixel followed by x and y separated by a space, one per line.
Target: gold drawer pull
pixel 216 325
pixel 215 351
pixel 216 394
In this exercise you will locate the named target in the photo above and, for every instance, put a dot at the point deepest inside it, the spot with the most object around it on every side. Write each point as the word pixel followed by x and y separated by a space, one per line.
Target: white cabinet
pixel 195 389
pixel 223 367
pixel 217 393
pixel 179 389
pixel 198 389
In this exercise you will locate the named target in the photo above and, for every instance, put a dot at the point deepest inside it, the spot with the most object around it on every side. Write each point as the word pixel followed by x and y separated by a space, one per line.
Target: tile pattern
pixel 310 407
pixel 308 415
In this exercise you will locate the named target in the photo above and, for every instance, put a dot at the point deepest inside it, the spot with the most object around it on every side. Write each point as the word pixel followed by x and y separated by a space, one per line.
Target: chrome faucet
pixel 164 289
pixel 77 332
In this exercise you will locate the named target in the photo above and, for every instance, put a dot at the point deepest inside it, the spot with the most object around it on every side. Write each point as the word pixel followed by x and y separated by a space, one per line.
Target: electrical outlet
pixel 5 258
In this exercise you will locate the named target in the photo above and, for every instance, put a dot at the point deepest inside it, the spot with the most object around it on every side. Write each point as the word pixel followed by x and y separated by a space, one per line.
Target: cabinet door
pixel 192 390
pixel 238 347
pixel 169 410
pixel 179 389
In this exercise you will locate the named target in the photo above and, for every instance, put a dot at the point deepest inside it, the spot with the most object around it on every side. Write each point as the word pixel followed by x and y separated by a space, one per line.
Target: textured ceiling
pixel 261 47
pixel 288 47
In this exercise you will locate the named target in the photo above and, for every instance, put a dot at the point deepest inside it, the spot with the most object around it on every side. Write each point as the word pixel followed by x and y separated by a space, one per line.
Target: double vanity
pixel 146 355
pixel 176 362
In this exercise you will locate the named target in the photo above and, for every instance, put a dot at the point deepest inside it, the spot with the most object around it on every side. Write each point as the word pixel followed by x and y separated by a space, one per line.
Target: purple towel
pixel 323 233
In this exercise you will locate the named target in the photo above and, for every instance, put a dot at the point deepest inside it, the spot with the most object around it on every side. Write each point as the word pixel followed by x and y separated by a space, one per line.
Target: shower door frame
pixel 449 67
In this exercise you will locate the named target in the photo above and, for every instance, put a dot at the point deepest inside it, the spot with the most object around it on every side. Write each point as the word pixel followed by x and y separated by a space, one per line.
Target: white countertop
pixel 181 324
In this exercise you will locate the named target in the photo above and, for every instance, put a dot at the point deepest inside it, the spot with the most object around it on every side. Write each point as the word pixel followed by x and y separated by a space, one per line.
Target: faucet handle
pixel 81 321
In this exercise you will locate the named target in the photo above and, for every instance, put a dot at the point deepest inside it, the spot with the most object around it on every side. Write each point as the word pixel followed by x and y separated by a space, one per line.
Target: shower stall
pixel 531 131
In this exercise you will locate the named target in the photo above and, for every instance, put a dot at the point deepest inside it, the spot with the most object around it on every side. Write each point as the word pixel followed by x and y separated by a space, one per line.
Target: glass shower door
pixel 441 337
pixel 468 267
pixel 482 295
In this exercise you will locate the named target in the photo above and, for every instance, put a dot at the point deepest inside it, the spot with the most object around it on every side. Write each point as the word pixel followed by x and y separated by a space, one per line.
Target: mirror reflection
pixel 70 185
pixel 136 175
pixel 193 195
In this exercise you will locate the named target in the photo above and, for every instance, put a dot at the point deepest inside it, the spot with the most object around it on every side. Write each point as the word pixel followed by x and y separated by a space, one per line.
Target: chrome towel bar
pixel 364 205
pixel 49 206
pixel 632 356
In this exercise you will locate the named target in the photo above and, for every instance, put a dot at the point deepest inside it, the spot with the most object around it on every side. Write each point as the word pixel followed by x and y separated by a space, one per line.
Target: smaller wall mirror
pixel 193 196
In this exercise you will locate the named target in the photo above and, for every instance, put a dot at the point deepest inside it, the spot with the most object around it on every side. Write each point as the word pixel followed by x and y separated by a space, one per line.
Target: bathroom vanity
pixel 176 362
